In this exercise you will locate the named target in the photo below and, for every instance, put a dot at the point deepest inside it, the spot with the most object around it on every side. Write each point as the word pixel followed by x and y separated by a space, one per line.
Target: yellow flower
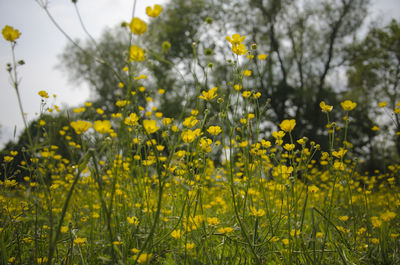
pixel 143 258
pixel 388 216
pixel 167 121
pixel 376 222
pixel 247 72
pixel 348 105
pixel 80 241
pixel 132 220
pixel 339 154
pixel 343 218
pixel 257 213
pixel 150 126
pixel 375 128
pixel 8 159
pixel 140 77
pixel 189 246
pixel 289 147
pixel 10 34
pixel 102 126
pixel 239 49
pixel 136 54
pixel 288 125
pixel 246 94
pixel 237 87
pixel 375 241
pixel 262 57
pixel 210 94
pixel 214 130
pixel 64 229
pixel 382 104
pixel 155 11
pixel 176 234
pixel 43 94
pixel 80 126
pixel 257 95
pixel 278 135
pixel 236 39
pixel 225 230
pixel 132 119
pixel 324 107
pixel 188 136
pixel 42 260
pixel 138 26
pixel 212 221
pixel 189 122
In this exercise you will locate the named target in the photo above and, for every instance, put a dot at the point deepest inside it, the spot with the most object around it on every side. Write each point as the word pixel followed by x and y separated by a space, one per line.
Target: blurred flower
pixel 210 94
pixel 80 126
pixel 136 54
pixel 155 11
pixel 138 26
pixel 325 107
pixel 10 34
pixel 150 126
pixel 348 105
pixel 288 125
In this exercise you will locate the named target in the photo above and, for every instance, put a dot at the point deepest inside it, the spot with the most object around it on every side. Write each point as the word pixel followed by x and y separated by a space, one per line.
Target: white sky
pixel 41 42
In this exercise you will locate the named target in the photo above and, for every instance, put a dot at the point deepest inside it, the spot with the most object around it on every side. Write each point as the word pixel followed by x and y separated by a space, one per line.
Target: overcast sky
pixel 41 42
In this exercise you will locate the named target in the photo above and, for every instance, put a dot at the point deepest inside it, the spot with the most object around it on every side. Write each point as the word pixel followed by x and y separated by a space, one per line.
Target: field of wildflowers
pixel 137 187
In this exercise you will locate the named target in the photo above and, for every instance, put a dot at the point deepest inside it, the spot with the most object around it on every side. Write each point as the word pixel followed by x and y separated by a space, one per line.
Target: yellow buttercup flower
pixel 80 241
pixel 214 130
pixel 375 128
pixel 289 147
pixel 247 73
pixel 236 39
pixel 10 34
pixel 80 126
pixel 339 154
pixel 237 46
pixel 325 107
pixel 188 136
pixel 257 213
pixel 246 94
pixel 176 234
pixel 43 94
pixel 288 125
pixel 210 94
pixel 382 104
pixel 155 11
pixel 262 57
pixel 348 105
pixel 132 119
pixel 190 122
pixel 225 230
pixel 136 54
pixel 143 258
pixel 138 26
pixel 150 126
pixel 102 126
pixel 132 220
pixel 239 49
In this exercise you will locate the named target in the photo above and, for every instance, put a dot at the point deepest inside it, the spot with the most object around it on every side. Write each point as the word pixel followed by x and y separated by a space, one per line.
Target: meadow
pixel 205 187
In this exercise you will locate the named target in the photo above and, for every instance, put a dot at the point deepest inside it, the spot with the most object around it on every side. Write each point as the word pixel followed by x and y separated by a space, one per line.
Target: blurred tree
pixel 374 76
pixel 306 42
pixel 43 136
